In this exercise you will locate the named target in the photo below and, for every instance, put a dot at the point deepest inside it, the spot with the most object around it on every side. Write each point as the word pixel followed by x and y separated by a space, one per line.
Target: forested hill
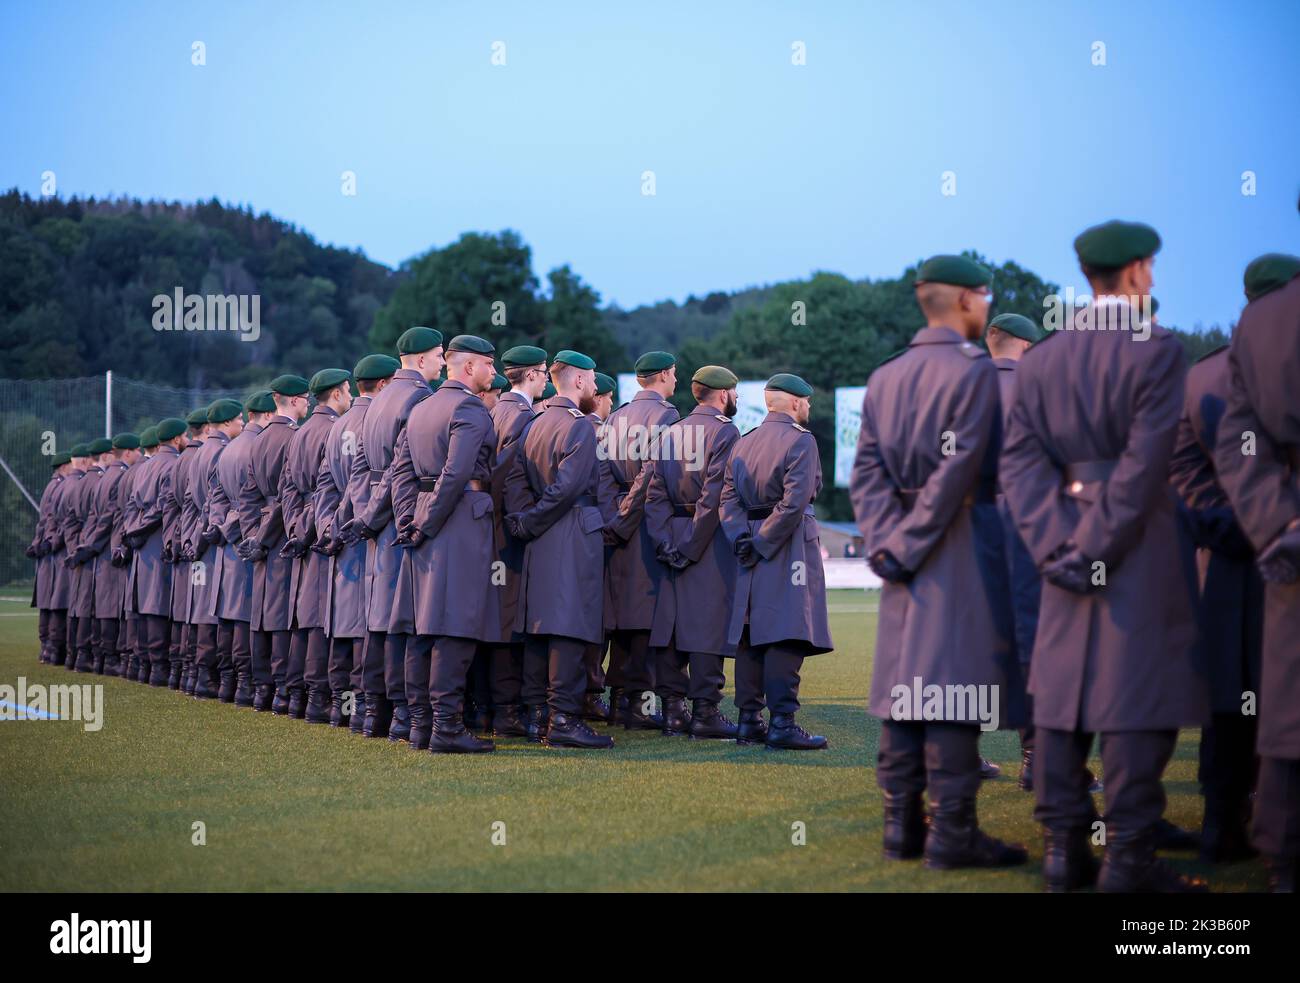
pixel 81 282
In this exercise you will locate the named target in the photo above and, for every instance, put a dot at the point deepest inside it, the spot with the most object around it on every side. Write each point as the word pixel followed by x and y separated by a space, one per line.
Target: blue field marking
pixel 30 712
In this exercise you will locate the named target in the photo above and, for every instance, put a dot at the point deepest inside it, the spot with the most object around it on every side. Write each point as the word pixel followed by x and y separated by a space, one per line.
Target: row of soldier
pixel 439 559
pixel 1110 543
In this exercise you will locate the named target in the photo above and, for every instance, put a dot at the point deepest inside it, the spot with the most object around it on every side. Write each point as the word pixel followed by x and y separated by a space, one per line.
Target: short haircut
pixel 560 371
pixel 701 392
pixel 936 299
pixel 1102 277
pixel 368 385
pixel 515 373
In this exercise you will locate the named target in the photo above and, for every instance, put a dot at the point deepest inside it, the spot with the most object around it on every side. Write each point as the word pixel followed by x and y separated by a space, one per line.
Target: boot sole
pixel 457 750
pixel 558 746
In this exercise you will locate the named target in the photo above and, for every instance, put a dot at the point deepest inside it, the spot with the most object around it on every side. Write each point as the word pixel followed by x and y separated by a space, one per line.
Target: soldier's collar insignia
pixel 802 429
pixel 722 416
pixel 577 414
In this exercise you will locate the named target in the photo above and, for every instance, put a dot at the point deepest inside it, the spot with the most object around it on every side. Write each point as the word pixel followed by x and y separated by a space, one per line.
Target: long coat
pixel 922 490
pixel 777 465
pixel 150 584
pixel 1121 657
pixel 553 486
pixel 341 495
pixel 1264 488
pixel 196 512
pixel 1231 610
pixel 44 570
pixel 447 585
pixel 383 422
pixel 261 519
pixel 124 518
pixel 634 570
pixel 81 604
pixel 693 607
pixel 232 598
pixel 309 581
pixel 509 417
pixel 62 525
pixel 178 516
pixel 105 509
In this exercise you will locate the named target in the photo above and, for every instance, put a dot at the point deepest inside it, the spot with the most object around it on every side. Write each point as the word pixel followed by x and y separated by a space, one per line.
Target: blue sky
pixel 764 170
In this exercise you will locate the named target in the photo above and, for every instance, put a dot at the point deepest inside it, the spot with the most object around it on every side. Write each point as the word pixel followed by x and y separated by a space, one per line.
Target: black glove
pixel 362 530
pixel 1279 562
pixel 32 551
pixel 745 552
pixel 1227 538
pixel 212 535
pixel 1070 570
pixel 168 553
pixel 886 566
pixel 251 552
pixel 293 549
pixel 45 548
pixel 119 556
pixel 515 526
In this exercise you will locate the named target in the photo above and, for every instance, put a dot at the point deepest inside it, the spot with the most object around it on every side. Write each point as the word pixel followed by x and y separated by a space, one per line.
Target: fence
pixel 40 417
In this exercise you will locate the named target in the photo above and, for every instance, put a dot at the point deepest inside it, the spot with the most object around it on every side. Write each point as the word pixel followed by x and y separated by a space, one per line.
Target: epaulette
pixel 1221 348
pixel 972 350
pixel 576 413
pixel 800 428
pixel 722 416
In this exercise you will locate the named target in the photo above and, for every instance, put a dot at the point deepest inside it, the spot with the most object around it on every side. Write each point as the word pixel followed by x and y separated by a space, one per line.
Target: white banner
pixel 749 399
pixel 848 421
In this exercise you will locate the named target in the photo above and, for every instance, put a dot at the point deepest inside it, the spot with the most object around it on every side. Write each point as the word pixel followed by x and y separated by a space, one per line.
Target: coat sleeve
pixel 328 500
pixel 704 522
pixel 1031 480
pixel 572 479
pixel 471 428
pixel 658 510
pixel 798 488
pixel 1111 524
pixel 1259 485
pixel 974 415
pixel 872 492
pixel 100 532
pixel 402 482
pixel 631 510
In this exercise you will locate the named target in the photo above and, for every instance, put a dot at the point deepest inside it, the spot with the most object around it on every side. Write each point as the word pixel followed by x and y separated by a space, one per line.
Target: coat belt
pixel 376 475
pixel 985 492
pixel 687 509
pixel 427 484
pixel 1083 479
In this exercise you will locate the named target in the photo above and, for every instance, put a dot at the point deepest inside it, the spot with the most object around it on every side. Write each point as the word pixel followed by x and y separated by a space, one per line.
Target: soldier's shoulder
pixel 1221 350
pixel 577 414
pixel 972 350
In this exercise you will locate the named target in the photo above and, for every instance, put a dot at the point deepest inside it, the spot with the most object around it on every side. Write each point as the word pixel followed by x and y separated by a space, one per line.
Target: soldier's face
pixel 482 373
pixel 731 405
pixel 802 410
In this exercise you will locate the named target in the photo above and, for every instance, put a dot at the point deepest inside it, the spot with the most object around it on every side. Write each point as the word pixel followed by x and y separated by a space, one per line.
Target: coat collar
pixel 936 336
pixel 454 384
pixel 649 394
pixel 519 396
pixel 562 401
pixel 775 416
pixel 1005 364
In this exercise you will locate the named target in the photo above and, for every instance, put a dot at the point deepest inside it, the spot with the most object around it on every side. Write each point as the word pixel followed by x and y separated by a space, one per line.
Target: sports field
pixel 287 806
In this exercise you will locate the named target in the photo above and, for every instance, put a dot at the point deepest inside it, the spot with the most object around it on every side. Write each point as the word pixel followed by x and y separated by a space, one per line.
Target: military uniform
pixel 133 646
pixel 1085 473
pixel 778 614
pixel 442 502
pixel 41 550
pixel 109 579
pixel 177 516
pixel 1230 614
pixel 1264 490
pixel 214 673
pixel 81 603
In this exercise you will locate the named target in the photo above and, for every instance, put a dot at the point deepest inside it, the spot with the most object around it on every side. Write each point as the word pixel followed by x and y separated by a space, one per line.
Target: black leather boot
pixel 317 710
pixel 569 730
pixel 904 828
pixel 420 716
pixel 1171 837
pixel 1026 781
pixel 263 697
pixel 226 686
pixel 357 725
pixel 187 676
pixel 297 702
pixel 677 718
pixel 785 735
pixel 203 688
pixel 85 662
pixel 752 728
pixel 110 665
pixel 337 717
pixel 451 736
pixel 595 709
pixel 160 674
pixel 535 727
pixel 243 690
pixel 280 705
pixel 988 770
pixel 634 717
pixel 378 716
pixel 130 667
pixel 1068 863
pixel 1133 868
pixel 506 722
pixel 99 661
pixel 708 723
pixel 175 671
pixel 617 705
pixel 145 672
pixel 955 840
pixel 399 729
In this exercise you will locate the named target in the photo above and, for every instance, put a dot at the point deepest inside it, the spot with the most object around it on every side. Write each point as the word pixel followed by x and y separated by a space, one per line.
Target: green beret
pixel 79 450
pixel 149 437
pixel 60 459
pixel 576 359
pixel 416 340
pixel 170 428
pixel 1155 305
pixel 787 383
pixel 1270 271
pixel 604 384
pixel 328 379
pixel 197 418
pixel 376 367
pixel 222 410
pixel 126 442
pixel 289 385
pixel 501 383
pixel 522 355
pixel 1019 326
pixel 548 392
pixel 652 362
pixel 715 377
pixel 100 445
pixel 1114 244
pixel 260 402
pixel 959 271
pixel 472 344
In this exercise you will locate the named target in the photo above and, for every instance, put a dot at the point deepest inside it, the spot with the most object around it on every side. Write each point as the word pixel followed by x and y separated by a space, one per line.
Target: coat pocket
pixel 590 519
pixel 481 505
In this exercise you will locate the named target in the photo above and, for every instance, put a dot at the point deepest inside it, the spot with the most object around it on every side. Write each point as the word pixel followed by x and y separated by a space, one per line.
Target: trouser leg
pixel 205 659
pixel 1134 764
pixel 707 677
pixel 395 666
pixel 616 674
pixel 109 642
pixel 536 670
pixel 478 685
pixel 1061 794
pixel 241 650
pixel 900 758
pixel 338 668
pixel 157 629
pixel 417 656
pixel 296 667
pixel 670 672
pixel 638 670
pixel 952 762
pixel 176 644
pixel 316 669
pixel 506 665
pixel 372 665
pixel 280 645
pixel 566 676
pixel 1276 829
pixel 85 643
pixel 448 672
pixel 43 633
pixel 749 677
pixel 781 665
pixel 58 636
pixel 593 658
pixel 1229 767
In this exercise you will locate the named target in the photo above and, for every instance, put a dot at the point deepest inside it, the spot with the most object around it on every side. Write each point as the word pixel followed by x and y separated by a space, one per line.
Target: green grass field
pixel 292 807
